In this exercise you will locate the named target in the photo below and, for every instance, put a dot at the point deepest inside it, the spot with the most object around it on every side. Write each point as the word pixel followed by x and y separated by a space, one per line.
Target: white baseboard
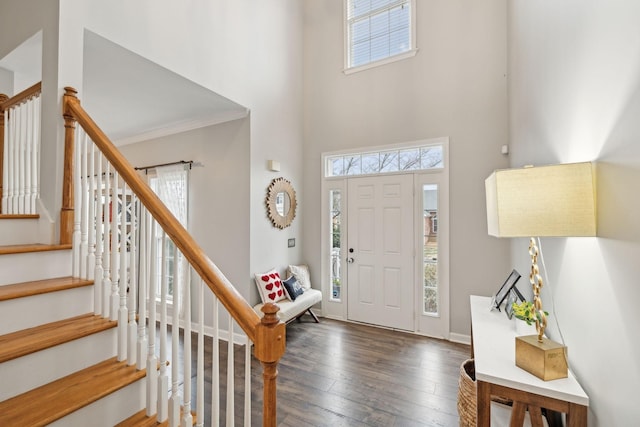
pixel 460 338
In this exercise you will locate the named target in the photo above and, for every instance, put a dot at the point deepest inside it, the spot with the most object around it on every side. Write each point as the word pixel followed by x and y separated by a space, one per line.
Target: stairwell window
pixel 171 184
pixel 378 32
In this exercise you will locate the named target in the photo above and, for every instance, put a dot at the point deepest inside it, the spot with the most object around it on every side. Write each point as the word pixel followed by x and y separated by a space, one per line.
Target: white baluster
pixel 13 162
pixel 99 233
pixel 28 142
pixel 6 162
pixel 187 417
pixel 141 347
pixel 22 140
pixel 77 197
pixel 124 277
pixel 230 376
pixel 35 155
pixel 106 241
pixel 200 362
pixel 215 368
pixel 84 208
pixel 91 200
pixel 115 259
pixel 152 361
pixel 247 384
pixel 175 401
pixel 163 379
pixel 132 347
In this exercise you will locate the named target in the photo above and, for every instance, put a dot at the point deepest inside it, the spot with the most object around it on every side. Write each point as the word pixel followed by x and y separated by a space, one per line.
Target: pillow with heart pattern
pixel 270 286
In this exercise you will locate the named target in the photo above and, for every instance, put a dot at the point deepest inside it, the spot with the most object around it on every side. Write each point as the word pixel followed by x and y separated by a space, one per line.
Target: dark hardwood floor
pixel 343 374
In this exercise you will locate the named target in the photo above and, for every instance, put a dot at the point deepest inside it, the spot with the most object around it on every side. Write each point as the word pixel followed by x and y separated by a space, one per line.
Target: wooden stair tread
pixel 27 341
pixel 25 289
pixel 19 216
pixel 35 247
pixel 140 419
pixel 43 405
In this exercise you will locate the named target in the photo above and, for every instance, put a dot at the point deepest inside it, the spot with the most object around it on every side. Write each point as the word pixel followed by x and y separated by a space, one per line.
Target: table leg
pixel 577 415
pixel 483 398
pixel 535 413
pixel 517 414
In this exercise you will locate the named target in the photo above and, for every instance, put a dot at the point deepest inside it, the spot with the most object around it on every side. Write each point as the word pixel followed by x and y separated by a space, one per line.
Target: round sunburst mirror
pixel 281 202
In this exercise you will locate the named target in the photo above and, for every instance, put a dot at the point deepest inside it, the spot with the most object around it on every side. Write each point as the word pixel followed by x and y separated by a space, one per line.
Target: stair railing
pixel 114 230
pixel 20 151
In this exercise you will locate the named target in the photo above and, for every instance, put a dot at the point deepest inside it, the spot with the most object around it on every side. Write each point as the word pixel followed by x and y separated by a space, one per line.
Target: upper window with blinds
pixel 378 32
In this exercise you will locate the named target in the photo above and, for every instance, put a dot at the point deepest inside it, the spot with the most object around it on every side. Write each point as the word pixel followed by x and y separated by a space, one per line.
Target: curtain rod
pixel 179 162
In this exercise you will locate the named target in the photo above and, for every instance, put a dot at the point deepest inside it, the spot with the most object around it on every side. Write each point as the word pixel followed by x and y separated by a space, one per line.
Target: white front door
pixel 380 248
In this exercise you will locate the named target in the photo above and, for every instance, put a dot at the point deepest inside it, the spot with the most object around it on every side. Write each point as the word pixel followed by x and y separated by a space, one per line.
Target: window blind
pixel 377 29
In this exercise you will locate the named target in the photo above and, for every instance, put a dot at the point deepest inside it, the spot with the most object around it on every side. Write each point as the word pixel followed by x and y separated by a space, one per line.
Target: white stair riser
pixel 28 312
pixel 18 231
pixel 108 411
pixel 36 369
pixel 17 268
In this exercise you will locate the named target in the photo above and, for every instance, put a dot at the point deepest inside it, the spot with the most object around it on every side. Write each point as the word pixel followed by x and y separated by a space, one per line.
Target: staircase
pixel 74 350
pixel 57 359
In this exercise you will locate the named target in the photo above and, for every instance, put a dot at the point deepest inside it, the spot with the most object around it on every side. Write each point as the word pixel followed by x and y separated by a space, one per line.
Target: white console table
pixel 493 348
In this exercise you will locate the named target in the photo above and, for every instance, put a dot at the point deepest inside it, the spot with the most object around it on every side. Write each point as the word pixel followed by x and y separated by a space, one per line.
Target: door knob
pixel 350 260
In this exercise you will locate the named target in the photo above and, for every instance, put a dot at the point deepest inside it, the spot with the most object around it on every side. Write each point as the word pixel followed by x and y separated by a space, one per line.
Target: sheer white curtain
pixel 173 190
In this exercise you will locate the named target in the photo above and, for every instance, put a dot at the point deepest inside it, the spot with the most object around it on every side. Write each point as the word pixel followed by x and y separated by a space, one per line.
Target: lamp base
pixel 546 360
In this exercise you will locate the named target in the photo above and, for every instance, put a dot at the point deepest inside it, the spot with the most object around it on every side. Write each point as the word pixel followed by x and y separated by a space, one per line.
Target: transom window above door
pixel 387 161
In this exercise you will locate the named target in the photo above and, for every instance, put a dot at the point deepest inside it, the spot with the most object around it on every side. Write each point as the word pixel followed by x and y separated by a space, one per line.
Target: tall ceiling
pixel 129 97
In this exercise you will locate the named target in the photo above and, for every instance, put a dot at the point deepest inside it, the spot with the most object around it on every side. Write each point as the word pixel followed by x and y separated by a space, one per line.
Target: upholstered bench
pixel 290 310
pixel 294 296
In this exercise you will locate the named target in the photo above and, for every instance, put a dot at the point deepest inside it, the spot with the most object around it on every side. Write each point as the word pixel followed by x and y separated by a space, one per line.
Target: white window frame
pixel 382 151
pixel 348 69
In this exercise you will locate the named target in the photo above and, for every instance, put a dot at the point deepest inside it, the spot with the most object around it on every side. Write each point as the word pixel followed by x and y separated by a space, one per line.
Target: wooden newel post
pixel 269 348
pixel 66 212
pixel 3 98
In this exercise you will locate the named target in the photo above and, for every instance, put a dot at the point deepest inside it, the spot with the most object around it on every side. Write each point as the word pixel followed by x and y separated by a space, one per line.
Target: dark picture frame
pixel 505 289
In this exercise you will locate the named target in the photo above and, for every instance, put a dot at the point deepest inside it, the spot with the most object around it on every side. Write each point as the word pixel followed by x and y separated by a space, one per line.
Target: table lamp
pixel 545 201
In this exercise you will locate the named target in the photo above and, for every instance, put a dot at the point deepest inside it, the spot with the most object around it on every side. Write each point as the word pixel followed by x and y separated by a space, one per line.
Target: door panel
pixel 380 241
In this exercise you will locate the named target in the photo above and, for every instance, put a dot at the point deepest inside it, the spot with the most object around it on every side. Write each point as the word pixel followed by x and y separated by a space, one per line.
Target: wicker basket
pixel 467 395
pixel 467 400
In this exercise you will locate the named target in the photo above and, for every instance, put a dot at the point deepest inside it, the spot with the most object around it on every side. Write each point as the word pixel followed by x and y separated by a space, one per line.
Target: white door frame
pixel 338 309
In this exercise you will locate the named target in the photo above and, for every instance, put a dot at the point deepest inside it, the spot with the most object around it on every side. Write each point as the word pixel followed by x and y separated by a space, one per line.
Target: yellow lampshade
pixel 557 200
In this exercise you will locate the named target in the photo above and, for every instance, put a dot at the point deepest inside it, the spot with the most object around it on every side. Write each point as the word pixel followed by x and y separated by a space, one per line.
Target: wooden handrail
pixel 235 304
pixel 20 97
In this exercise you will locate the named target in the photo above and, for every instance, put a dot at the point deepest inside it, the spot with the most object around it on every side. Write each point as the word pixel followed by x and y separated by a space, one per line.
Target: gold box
pixel 546 360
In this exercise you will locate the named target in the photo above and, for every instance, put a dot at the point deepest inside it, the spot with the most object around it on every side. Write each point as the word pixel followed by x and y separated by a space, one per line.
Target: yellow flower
pixel 526 311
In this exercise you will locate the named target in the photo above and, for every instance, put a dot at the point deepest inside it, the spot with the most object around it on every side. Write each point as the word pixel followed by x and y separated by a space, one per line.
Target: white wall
pixel 248 52
pixel 19 21
pixel 218 203
pixel 575 96
pixel 6 82
pixel 454 87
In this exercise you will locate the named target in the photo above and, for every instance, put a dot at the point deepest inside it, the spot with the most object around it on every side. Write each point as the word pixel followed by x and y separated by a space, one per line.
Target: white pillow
pixel 301 273
pixel 270 286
